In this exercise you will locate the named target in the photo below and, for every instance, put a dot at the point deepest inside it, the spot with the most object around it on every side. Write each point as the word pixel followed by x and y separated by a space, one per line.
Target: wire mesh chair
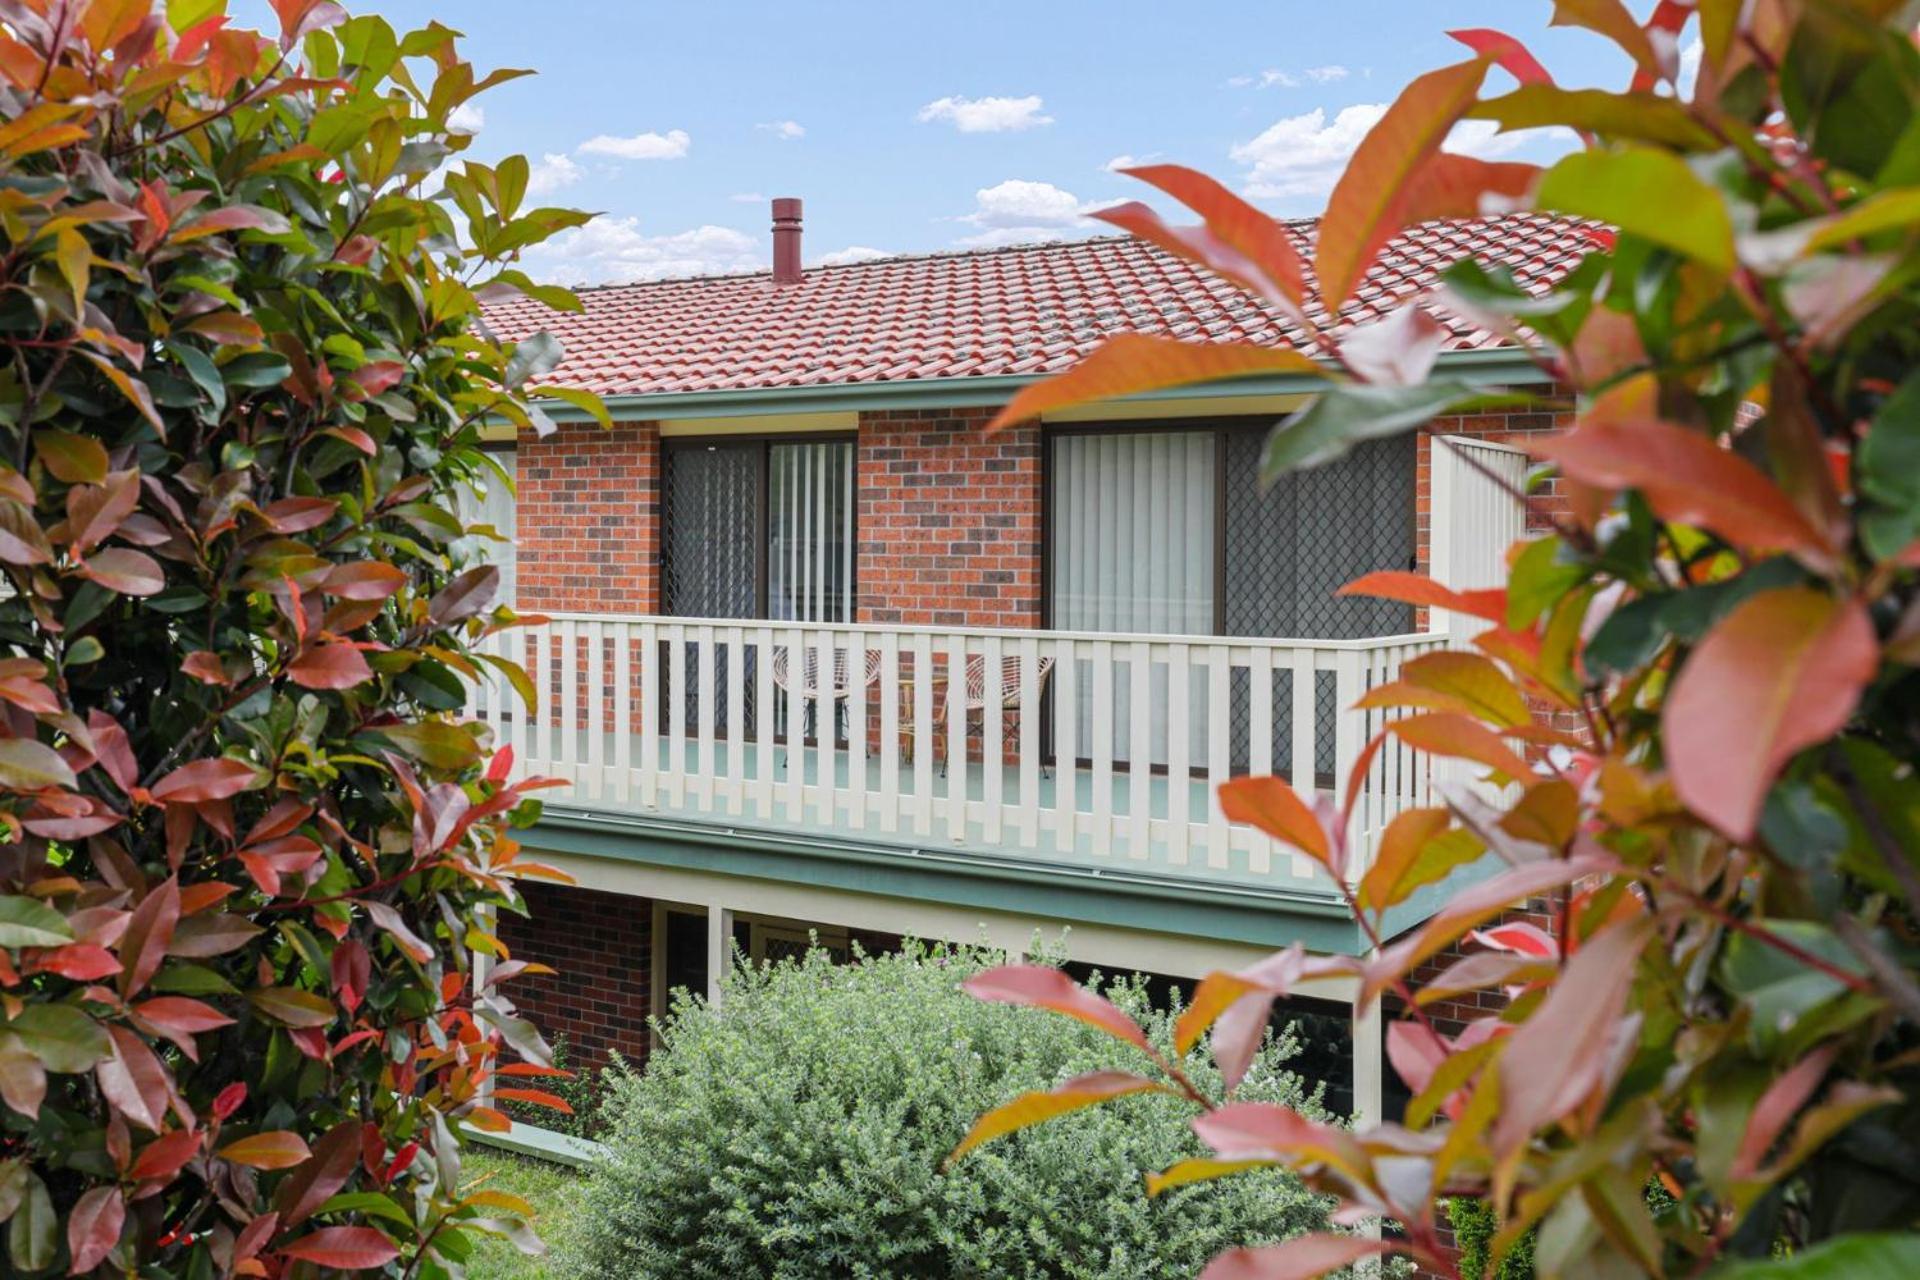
pixel 973 697
pixel 807 685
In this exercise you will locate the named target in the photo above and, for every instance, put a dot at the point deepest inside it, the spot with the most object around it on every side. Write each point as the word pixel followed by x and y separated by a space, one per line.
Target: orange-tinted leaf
pixel 292 1006
pixel 122 569
pixel 1129 363
pixel 1455 681
pixel 1277 809
pixel 166 1154
pixel 1048 988
pixel 363 580
pixel 149 935
pixel 1456 186
pixel 1689 479
pixel 215 778
pixel 1185 1173
pixel 536 1097
pixel 337 665
pixel 1031 1108
pixel 204 665
pixel 132 388
pixel 93 1227
pixel 1558 1056
pixel 1400 845
pixel 1267 1131
pixel 1272 265
pixel 1447 733
pixel 344 1248
pixel 277 1149
pixel 1218 991
pixel 1780 673
pixel 1507 53
pixel 71 458
pixel 1302 1258
pixel 1418 588
pixel 1362 212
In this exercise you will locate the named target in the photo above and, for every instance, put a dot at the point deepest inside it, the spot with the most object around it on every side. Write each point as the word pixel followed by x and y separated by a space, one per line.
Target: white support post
pixel 1369 1067
pixel 719 949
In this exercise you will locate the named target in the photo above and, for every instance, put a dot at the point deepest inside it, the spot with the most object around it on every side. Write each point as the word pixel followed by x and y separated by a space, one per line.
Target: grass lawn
pixel 553 1189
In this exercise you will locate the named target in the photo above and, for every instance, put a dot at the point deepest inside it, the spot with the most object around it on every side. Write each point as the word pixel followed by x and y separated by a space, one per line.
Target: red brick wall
pixel 602 945
pixel 949 520
pixel 588 519
pixel 1502 427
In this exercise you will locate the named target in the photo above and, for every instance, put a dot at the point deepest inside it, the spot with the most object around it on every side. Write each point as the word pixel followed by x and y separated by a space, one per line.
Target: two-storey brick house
pixel 823 655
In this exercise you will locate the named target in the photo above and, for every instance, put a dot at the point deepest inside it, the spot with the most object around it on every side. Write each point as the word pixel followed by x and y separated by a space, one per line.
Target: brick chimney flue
pixel 786 240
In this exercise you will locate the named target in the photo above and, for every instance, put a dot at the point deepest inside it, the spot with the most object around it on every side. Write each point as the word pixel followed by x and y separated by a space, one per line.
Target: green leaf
pixel 69 457
pixel 370 1203
pixel 532 357
pixel 1889 472
pixel 65 1040
pixel 33 1236
pixel 1646 193
pixel 1861 1257
pixel 1346 415
pixel 293 1007
pixel 434 743
pixel 28 922
pixel 28 765
pixel 1776 988
pixel 1637 117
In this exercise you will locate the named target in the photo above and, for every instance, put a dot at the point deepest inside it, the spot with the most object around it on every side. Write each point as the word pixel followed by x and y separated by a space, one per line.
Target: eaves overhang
pixel 1488 366
pixel 1250 914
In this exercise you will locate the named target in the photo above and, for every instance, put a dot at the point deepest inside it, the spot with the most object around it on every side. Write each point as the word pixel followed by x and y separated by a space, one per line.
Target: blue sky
pixel 909 127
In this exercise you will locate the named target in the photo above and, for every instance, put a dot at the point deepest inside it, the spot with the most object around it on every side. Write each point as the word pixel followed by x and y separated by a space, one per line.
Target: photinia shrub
pixel 250 843
pixel 1728 607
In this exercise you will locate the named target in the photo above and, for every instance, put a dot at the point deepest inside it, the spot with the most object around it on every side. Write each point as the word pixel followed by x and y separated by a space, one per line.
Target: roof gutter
pixel 1494 366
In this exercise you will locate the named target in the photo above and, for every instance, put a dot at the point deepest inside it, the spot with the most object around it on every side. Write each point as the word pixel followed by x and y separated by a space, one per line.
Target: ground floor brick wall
pixel 601 944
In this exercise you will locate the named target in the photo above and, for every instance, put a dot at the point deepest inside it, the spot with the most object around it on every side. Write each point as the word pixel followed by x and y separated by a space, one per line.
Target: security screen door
pixel 1169 532
pixel 755 529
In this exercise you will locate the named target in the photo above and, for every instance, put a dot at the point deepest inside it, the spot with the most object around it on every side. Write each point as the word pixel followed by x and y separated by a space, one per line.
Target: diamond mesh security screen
pixel 1290 548
pixel 710 560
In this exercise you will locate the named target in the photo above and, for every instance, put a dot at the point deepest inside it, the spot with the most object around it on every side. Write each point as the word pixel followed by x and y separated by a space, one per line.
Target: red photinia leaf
pixel 401 1159
pixel 313 1183
pixel 1780 673
pixel 1456 186
pixel 165 1155
pixel 1239 241
pixel 283 819
pixel 1507 53
pixel 351 970
pixel 1611 19
pixel 149 934
pixel 363 580
pixel 204 665
pixel 215 778
pixel 124 570
pixel 298 515
pixel 94 511
pixel 1520 938
pixel 1047 988
pixel 1448 733
pixel 346 1248
pixel 1267 1131
pixel 376 376
pixel 276 1149
pixel 1129 363
pixel 254 1236
pixel 356 437
pixel 1029 1109
pixel 537 1097
pixel 1302 1258
pixel 23 1078
pixel 1218 991
pixel 111 747
pixel 230 1099
pixel 80 961
pixel 133 1081
pixel 233 217
pixel 1689 479
pixel 1558 1056
pixel 1418 588
pixel 1362 213
pixel 226 328
pixel 336 665
pixel 1277 809
pixel 297 18
pixel 394 925
pixel 93 1228
pixel 530 1069
pixel 182 1014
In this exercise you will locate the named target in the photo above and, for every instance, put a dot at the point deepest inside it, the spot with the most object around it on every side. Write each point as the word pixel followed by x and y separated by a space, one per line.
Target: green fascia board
pixel 1494 366
pixel 1055 891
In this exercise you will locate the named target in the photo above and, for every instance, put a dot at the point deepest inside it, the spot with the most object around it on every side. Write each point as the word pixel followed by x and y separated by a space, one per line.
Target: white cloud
pixel 852 253
pixel 670 145
pixel 1120 162
pixel 466 118
pixel 1299 158
pixel 1272 78
pixel 987 115
pixel 614 250
pixel 1018 211
pixel 785 130
pixel 555 170
pixel 747 197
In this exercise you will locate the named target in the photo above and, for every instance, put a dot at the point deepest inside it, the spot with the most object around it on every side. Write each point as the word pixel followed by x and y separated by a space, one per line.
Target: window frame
pixel 762 444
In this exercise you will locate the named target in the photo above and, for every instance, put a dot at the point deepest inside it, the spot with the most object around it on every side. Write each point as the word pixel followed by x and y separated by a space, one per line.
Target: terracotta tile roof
pixel 1027 310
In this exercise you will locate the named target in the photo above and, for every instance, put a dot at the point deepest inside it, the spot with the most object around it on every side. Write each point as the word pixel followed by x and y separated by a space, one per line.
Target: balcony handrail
pixel 1362 645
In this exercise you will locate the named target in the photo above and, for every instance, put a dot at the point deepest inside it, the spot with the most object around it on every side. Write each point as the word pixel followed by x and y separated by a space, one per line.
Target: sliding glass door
pixel 1168 531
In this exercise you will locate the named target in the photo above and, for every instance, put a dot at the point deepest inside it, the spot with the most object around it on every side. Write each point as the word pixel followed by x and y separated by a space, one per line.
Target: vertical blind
pixel 490 502
pixel 810 532
pixel 1133 551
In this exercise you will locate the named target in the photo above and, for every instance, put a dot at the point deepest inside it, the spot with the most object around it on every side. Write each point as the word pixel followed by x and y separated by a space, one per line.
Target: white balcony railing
pixel 1094 749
